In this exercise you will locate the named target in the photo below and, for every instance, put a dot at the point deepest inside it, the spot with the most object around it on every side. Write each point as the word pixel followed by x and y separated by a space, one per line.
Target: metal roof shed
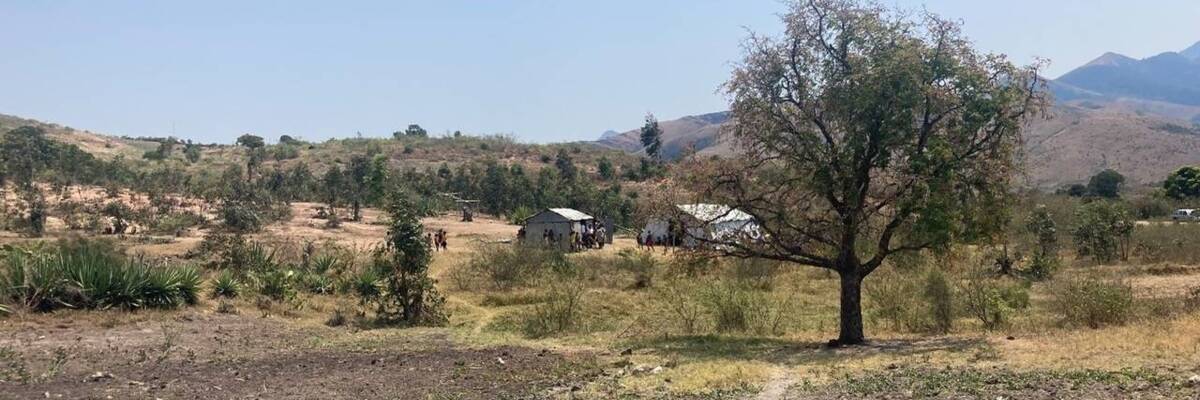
pixel 558 222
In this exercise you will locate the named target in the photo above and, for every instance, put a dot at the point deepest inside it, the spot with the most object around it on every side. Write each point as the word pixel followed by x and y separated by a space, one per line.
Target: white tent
pixel 702 222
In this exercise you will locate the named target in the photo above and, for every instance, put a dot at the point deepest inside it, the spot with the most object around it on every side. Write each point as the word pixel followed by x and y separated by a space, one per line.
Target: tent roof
pixel 714 213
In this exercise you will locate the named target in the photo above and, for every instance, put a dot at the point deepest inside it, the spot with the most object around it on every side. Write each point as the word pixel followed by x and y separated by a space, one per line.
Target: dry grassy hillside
pixel 1076 142
pixel 100 145
pixel 409 152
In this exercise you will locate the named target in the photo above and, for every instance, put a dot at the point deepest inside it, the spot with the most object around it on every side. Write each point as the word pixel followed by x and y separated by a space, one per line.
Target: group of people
pixel 593 236
pixel 436 240
pixel 648 241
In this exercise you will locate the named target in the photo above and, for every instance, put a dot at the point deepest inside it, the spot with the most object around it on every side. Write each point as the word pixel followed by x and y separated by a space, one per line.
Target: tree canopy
pixel 1106 184
pixel 651 136
pixel 866 133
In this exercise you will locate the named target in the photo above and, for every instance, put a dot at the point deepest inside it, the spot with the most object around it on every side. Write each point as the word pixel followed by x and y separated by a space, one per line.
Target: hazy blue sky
pixel 542 70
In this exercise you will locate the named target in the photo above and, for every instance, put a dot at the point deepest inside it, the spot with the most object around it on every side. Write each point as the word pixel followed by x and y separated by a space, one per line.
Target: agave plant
pixel 366 286
pixel 318 283
pixel 226 285
pixel 325 263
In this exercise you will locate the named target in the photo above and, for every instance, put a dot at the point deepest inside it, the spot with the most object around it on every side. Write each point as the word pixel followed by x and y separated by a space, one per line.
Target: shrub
pixel 640 264
pixel 240 218
pixel 680 297
pixel 226 285
pixel 1103 230
pixel 892 302
pixel 992 301
pixel 756 272
pixel 560 312
pixel 1041 268
pixel 520 214
pixel 1092 302
pixel 1150 207
pixel 275 284
pixel 735 307
pixel 505 266
pixel 939 298
pixel 912 301
pixel 176 223
pixel 338 318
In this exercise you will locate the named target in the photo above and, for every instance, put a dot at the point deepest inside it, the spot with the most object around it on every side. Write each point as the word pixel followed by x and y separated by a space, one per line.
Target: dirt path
pixel 777 386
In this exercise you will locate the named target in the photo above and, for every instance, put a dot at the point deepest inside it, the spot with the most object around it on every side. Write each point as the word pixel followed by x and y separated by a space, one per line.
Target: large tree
pixel 865 133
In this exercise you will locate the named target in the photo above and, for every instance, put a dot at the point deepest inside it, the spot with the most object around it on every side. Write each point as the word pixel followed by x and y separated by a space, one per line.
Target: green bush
pixel 912 301
pixel 1092 302
pixel 506 266
pixel 275 284
pixel 993 301
pixel 1103 230
pixel 176 223
pixel 226 285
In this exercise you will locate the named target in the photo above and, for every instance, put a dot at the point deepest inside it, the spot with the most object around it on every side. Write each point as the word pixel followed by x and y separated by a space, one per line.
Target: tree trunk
pixel 357 210
pixel 851 308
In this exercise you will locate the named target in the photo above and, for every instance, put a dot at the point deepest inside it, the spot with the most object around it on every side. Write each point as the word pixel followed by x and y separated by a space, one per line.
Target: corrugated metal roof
pixel 714 213
pixel 571 214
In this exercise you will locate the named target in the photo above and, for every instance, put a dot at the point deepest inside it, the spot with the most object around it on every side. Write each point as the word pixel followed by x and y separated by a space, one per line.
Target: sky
pixel 542 71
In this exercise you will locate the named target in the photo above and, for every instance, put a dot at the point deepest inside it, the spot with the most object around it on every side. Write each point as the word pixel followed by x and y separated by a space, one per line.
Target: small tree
pixel 1045 234
pixel 1106 184
pixel 333 184
pixel 191 152
pixel 120 214
pixel 409 296
pixel 1103 230
pixel 652 137
pixel 566 166
pixel 357 181
pixel 254 152
pixel 605 168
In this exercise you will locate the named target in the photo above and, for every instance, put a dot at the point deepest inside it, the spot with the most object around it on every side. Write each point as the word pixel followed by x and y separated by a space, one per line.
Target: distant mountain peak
pixel 1192 53
pixel 1111 59
pixel 609 133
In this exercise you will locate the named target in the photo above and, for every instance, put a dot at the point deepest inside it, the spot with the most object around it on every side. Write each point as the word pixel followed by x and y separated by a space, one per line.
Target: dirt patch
pixel 922 383
pixel 196 355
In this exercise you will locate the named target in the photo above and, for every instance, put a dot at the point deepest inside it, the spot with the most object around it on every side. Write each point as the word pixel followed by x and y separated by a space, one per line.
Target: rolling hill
pixel 99 145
